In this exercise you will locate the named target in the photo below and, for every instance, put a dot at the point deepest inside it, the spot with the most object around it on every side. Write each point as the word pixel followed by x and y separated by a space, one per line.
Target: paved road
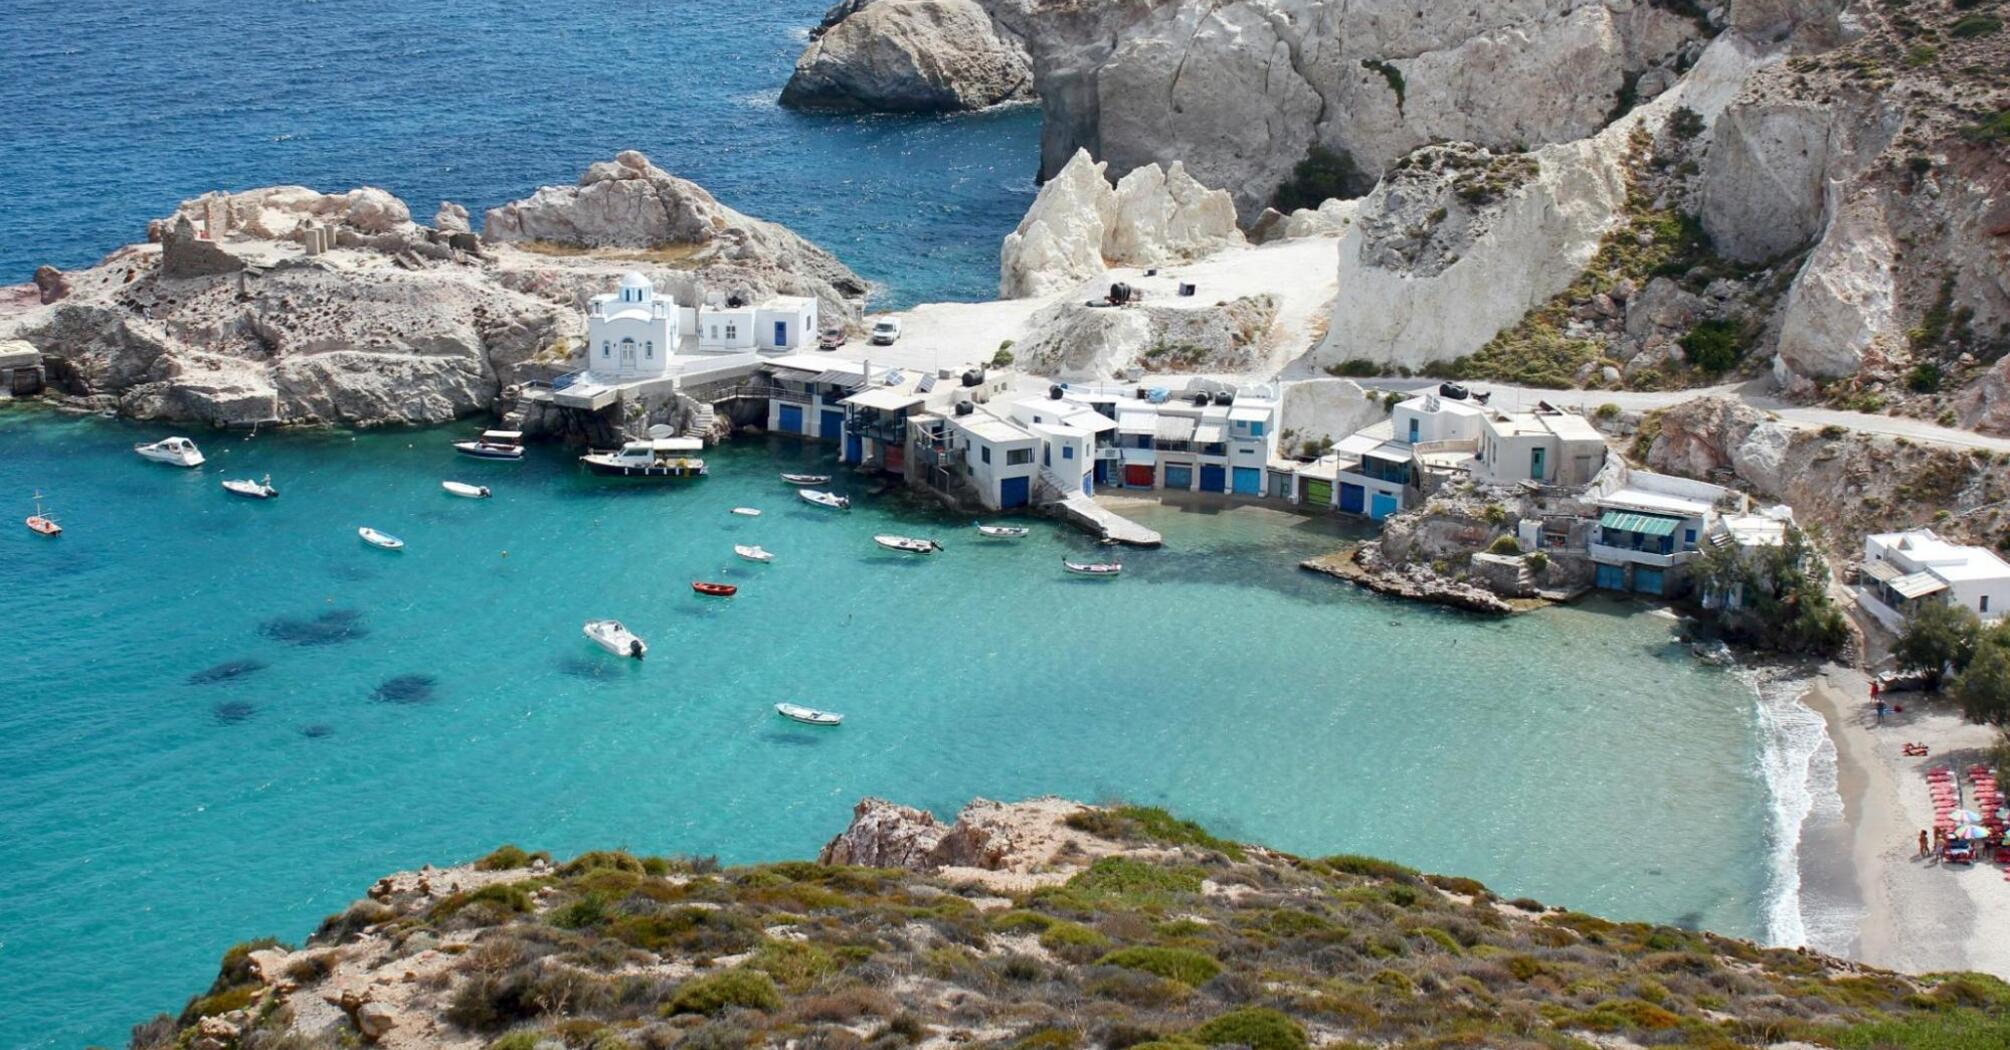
pixel 1756 393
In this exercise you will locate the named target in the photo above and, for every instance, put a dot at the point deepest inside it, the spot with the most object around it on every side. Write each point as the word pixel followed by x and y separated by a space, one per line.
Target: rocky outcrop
pixel 50 284
pixel 1081 342
pixel 986 836
pixel 630 204
pixel 910 56
pixel 1323 411
pixel 1841 306
pixel 1080 225
pixel 451 218
pixel 286 305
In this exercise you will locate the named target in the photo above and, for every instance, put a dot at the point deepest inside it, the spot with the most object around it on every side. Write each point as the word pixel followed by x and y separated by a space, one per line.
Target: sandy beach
pixel 1919 916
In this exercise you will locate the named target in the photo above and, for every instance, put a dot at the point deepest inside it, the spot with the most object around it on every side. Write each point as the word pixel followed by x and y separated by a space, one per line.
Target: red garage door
pixel 1139 475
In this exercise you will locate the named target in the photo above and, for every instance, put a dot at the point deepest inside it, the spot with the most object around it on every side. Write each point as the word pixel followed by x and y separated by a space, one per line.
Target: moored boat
pixel 808 715
pixel 807 479
pixel 714 590
pixel 1103 569
pixel 175 451
pixel 747 512
pixel 380 539
pixel 493 444
pixel 752 553
pixel 615 638
pixel 650 458
pixel 466 491
pixel 908 544
pixel 252 489
pixel 41 522
pixel 825 499
pixel 1003 532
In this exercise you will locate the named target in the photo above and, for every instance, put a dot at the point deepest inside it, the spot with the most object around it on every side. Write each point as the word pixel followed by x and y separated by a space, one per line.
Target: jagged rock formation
pixel 629 203
pixel 1089 927
pixel 1321 412
pixel 1240 90
pixel 1079 342
pixel 1079 226
pixel 909 56
pixel 285 305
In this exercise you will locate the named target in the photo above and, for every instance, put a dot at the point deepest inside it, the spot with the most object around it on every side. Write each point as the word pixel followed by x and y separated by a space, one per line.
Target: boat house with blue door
pixel 1652 528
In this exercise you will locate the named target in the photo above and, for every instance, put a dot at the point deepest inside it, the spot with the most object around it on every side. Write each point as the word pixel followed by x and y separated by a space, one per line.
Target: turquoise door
pixel 830 425
pixel 792 419
pixel 1249 481
pixel 1179 477
pixel 1012 492
pixel 1381 505
pixel 1535 464
pixel 1610 578
pixel 1646 580
pixel 1213 479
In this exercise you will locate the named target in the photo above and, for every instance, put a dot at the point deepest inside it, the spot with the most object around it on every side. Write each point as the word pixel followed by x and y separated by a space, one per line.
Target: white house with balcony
pixel 1651 528
pixel 1904 570
pixel 1073 438
pixel 631 332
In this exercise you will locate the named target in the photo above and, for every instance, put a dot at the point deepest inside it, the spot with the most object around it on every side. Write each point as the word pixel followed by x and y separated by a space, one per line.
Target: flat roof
pixel 1175 428
pixel 886 398
pixel 1137 422
pixel 1210 433
pixel 1644 524
pixel 1573 428
pixel 1390 450
pixel 1421 403
pixel 806 363
pixel 1655 503
pixel 1949 561
pixel 1242 413
pixel 1918 584
pixel 989 427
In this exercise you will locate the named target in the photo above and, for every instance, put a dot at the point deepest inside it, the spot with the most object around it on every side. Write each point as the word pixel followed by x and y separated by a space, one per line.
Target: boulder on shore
pixel 909 56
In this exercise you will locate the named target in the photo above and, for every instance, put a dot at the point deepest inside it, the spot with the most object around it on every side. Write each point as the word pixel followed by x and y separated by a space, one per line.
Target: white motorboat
pixel 807 479
pixel 747 512
pixel 808 716
pixel 613 637
pixel 493 444
pixel 752 553
pixel 177 451
pixel 1003 532
pixel 1104 569
pixel 908 544
pixel 466 491
pixel 254 489
pixel 825 499
pixel 670 457
pixel 380 539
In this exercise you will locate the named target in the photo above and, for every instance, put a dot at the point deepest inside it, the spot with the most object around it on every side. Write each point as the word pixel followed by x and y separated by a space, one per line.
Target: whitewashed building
pixel 1903 570
pixel 1549 448
pixel 1651 529
pixel 631 333
pixel 783 324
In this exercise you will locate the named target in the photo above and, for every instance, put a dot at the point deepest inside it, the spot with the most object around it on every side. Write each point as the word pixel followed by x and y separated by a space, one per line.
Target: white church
pixel 634 333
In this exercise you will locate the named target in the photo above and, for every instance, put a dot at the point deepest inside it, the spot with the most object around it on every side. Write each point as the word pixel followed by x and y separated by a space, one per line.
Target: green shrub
pixel 1063 935
pixel 1149 824
pixel 1607 411
pixel 1323 175
pixel 1924 378
pixel 748 989
pixel 508 857
pixel 521 1039
pixel 1714 346
pixel 1969 26
pixel 1536 562
pixel 795 965
pixel 1124 880
pixel 1354 368
pixel 1175 964
pixel 510 898
pixel 1685 123
pixel 597 860
pixel 1507 545
pixel 1259 1029
pixel 1352 864
pixel 1002 359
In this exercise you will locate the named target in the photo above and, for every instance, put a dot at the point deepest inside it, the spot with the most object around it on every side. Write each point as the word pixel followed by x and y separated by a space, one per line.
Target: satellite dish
pixel 662 430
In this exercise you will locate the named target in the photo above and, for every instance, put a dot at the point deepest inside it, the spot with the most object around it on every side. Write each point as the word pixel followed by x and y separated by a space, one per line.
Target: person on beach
pixel 1922 842
pixel 1880 712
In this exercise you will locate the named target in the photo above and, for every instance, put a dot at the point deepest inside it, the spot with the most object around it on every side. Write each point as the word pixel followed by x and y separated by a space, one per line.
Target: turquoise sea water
pixel 151 820
pixel 116 111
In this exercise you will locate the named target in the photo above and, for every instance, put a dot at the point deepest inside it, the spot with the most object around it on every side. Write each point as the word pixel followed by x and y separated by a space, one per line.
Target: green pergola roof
pixel 1644 524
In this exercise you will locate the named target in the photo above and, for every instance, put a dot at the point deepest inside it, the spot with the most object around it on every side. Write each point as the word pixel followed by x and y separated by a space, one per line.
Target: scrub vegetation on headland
pixel 1043 925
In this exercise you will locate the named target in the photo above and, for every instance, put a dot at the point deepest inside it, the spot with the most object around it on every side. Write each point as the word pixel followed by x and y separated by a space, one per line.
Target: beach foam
pixel 1798 761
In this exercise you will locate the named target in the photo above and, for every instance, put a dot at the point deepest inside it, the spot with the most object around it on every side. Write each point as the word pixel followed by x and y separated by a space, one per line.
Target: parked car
pixel 885 331
pixel 831 339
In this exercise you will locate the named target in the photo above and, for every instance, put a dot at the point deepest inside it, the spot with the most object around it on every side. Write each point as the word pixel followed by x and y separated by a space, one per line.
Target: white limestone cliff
pixel 1079 226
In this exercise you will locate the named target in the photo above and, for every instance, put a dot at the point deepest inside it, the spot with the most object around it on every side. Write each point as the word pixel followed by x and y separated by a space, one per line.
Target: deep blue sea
pixel 422 707
pixel 111 112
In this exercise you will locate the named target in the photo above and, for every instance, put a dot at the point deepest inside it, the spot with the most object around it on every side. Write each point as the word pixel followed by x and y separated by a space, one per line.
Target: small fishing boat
pixel 908 544
pixel 493 444
pixel 808 716
pixel 1093 568
pixel 253 489
pixel 714 590
pixel 380 539
pixel 670 457
pixel 176 451
pixel 807 479
pixel 41 522
pixel 752 553
pixel 747 512
pixel 825 499
pixel 465 490
pixel 613 637
pixel 1003 532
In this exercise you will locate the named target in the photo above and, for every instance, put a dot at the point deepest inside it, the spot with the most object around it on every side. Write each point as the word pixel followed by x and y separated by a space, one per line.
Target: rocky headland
pixel 909 56
pixel 1043 924
pixel 285 305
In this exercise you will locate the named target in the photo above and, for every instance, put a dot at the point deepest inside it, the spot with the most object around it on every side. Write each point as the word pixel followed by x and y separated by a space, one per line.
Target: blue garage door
pixel 831 423
pixel 1610 578
pixel 1249 481
pixel 854 449
pixel 1646 580
pixel 1012 492
pixel 1213 479
pixel 1381 505
pixel 1179 477
pixel 792 419
pixel 1352 498
pixel 1102 472
pixel 1088 486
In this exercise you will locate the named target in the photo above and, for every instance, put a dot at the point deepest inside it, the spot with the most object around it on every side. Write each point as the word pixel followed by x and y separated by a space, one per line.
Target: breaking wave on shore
pixel 1798 762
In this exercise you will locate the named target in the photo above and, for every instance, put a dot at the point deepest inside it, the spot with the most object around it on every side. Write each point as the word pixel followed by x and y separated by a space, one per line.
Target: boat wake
pixel 1798 761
